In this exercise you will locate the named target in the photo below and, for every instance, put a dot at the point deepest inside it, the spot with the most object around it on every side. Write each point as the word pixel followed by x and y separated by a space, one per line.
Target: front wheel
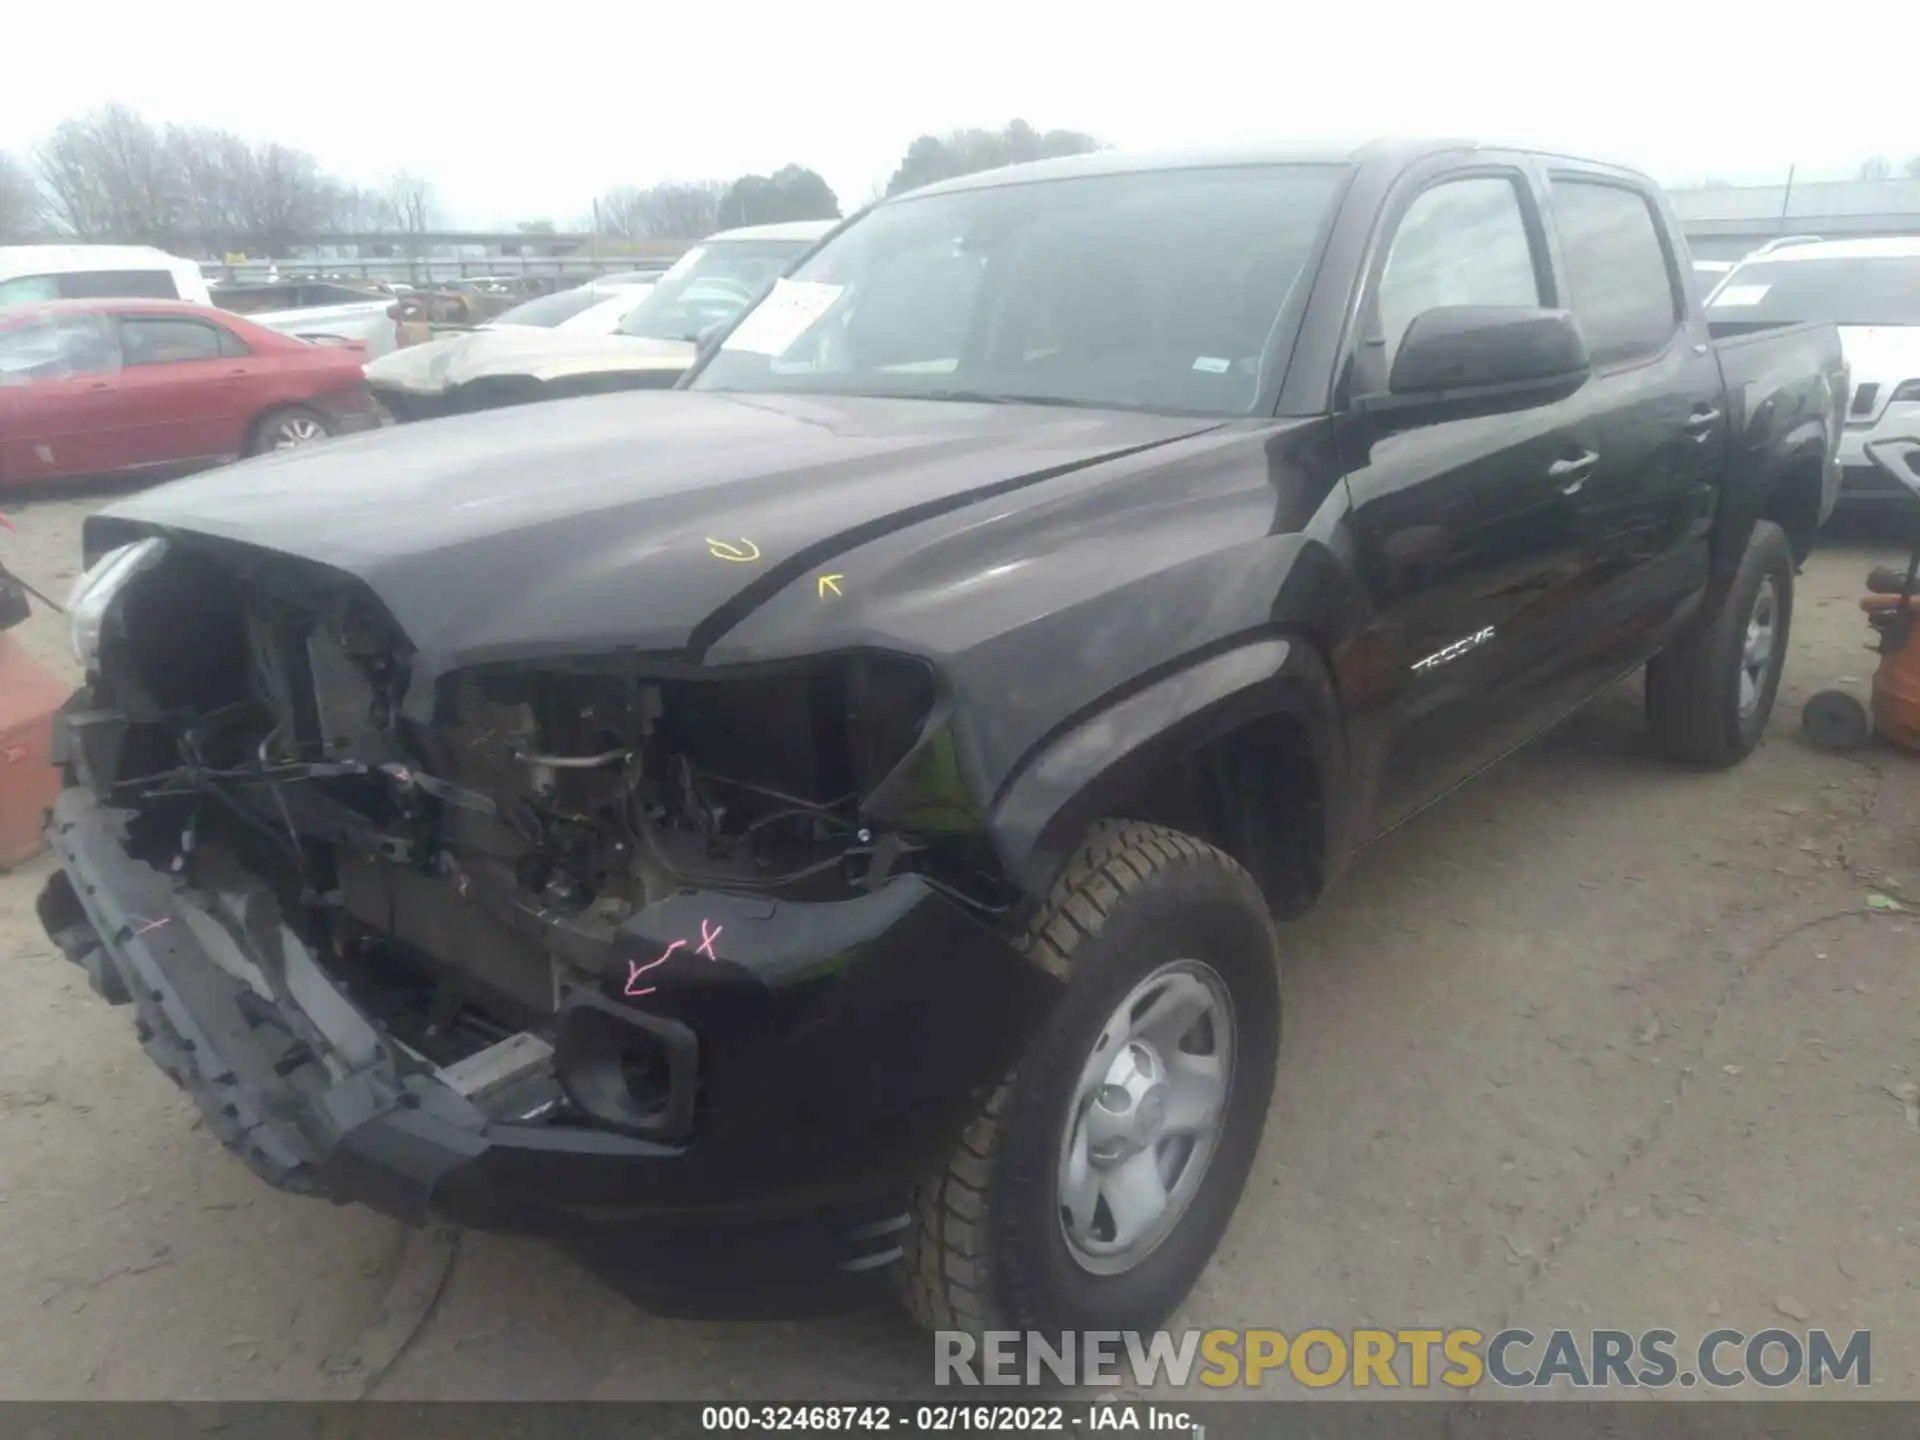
pixel 1709 696
pixel 1094 1184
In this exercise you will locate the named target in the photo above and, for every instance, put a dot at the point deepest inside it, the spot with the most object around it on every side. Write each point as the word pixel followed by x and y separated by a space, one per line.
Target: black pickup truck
pixel 832 816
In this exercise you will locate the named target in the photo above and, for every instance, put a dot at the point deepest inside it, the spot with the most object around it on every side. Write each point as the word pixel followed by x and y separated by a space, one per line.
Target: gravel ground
pixel 1594 1044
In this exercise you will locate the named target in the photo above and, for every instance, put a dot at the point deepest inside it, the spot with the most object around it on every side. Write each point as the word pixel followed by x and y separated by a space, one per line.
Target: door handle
pixel 1571 474
pixel 1701 421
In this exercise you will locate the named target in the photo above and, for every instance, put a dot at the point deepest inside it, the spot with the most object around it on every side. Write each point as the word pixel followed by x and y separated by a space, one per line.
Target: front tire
pixel 1093 1185
pixel 1709 696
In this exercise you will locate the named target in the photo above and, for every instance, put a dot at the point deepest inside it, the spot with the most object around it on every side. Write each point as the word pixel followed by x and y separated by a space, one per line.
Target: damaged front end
pixel 559 945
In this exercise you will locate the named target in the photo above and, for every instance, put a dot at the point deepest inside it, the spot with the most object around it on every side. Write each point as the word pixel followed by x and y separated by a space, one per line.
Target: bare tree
pixel 674 210
pixel 21 209
pixel 109 176
pixel 411 205
pixel 354 207
pixel 1878 168
pixel 215 171
pixel 287 199
pixel 1912 167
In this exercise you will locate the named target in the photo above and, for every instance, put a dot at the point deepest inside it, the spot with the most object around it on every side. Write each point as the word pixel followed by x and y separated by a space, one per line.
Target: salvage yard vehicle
pixel 1870 288
pixel 653 345
pixel 33 274
pixel 103 387
pixel 832 817
pixel 315 309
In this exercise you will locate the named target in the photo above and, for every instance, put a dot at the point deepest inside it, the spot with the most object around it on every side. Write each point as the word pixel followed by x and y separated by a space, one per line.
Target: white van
pixel 30 274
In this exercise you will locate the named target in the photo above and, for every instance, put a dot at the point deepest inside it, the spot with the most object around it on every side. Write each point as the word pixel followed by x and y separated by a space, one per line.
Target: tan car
pixel 528 353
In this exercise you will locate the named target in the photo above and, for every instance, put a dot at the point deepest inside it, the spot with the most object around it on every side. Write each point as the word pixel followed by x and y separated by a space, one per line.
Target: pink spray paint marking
pixel 634 972
pixel 146 926
pixel 708 934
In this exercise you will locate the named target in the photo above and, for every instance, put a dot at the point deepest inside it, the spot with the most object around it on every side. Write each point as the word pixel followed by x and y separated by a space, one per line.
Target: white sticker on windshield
pixel 1212 364
pixel 1741 295
pixel 783 317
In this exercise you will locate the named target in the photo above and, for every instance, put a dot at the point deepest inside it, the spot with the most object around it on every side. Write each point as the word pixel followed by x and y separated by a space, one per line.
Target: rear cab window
pixel 118 285
pixel 89 285
pixel 1621 280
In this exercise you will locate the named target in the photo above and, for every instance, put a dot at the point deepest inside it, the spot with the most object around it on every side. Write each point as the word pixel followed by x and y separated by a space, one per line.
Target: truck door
pixel 1462 523
pixel 1645 515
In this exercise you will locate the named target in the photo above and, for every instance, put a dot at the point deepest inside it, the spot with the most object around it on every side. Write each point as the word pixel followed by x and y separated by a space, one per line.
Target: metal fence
pixel 421 271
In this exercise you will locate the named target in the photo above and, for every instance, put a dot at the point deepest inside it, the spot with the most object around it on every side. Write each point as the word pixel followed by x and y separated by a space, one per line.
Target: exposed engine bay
pixel 460 872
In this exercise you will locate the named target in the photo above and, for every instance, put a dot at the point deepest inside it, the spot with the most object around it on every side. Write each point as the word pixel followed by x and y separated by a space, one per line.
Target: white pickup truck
pixel 315 309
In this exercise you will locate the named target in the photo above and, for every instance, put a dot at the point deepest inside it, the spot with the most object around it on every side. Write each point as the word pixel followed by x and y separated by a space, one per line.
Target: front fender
pixel 1039 816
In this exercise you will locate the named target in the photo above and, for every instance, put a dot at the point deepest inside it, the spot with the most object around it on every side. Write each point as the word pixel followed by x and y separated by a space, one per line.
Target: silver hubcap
pixel 1757 656
pixel 296 430
pixel 1146 1117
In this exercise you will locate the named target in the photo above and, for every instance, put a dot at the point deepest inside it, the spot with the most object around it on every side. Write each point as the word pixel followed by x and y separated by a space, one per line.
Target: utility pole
pixel 1785 201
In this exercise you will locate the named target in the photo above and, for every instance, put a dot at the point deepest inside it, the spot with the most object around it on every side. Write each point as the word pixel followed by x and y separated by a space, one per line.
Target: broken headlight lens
pixel 94 592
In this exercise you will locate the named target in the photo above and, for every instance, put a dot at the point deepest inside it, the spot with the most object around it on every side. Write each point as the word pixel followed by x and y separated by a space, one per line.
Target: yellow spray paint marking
pixel 830 584
pixel 745 551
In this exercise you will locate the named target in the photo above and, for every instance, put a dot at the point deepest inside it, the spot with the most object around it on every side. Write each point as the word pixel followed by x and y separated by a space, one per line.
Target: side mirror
pixel 1475 352
pixel 708 338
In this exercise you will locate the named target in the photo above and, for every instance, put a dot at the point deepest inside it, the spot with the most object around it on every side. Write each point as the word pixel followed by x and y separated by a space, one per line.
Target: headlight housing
pixel 94 592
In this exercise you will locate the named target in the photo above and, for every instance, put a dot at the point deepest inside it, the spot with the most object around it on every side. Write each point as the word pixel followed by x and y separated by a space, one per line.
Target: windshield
pixel 1152 290
pixel 1877 290
pixel 549 310
pixel 709 285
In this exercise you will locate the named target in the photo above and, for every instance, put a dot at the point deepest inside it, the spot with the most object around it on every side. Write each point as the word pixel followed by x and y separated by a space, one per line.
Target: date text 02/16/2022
pixel 949 1419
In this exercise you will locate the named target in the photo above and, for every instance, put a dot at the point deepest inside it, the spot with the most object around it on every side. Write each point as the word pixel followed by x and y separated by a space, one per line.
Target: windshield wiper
pixel 990 397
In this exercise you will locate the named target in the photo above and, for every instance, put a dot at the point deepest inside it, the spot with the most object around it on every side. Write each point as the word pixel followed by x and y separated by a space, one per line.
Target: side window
pixel 1622 289
pixel 56 350
pixel 1463 242
pixel 151 340
pixel 119 285
pixel 232 347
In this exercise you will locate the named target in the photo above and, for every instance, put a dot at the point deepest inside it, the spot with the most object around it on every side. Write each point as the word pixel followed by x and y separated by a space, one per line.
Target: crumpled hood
pixel 649 520
pixel 437 366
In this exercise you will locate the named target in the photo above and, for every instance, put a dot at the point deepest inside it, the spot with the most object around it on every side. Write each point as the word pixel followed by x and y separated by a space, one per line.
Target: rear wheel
pixel 1094 1184
pixel 1709 695
pixel 287 428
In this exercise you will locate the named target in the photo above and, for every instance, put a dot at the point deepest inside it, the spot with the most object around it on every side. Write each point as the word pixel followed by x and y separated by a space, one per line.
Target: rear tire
pixel 1710 694
pixel 1147 926
pixel 287 427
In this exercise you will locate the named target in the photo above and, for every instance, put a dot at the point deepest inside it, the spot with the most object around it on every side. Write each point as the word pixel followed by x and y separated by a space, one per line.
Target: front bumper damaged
pixel 800 1072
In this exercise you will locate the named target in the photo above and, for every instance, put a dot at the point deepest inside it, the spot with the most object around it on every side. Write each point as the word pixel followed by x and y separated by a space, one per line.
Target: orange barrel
pixel 1896 684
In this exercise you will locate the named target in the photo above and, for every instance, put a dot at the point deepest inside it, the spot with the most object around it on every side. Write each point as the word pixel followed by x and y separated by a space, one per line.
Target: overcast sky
pixel 545 107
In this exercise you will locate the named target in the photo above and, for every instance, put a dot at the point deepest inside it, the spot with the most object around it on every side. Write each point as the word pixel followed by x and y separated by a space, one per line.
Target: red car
pixel 96 387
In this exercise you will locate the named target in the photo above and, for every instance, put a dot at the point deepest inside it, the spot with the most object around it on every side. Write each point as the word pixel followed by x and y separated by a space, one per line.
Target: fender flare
pixel 1075 777
pixel 1803 447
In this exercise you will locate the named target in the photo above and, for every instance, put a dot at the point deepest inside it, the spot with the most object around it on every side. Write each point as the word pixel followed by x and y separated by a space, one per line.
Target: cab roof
pixel 1391 152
